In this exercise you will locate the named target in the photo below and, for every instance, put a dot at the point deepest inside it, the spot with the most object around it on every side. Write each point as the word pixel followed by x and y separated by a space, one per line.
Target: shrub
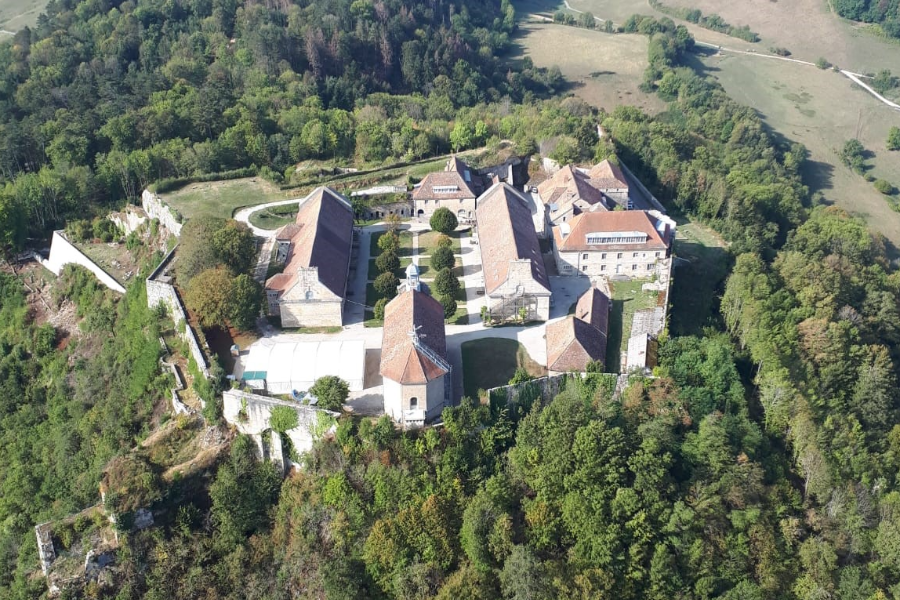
pixel 389 242
pixel 779 51
pixel 443 258
pixel 444 241
pixel 884 187
pixel 386 285
pixel 446 283
pixel 331 392
pixel 387 262
pixel 379 308
pixel 443 220
pixel 822 63
pixel 893 140
pixel 283 419
pixel 449 305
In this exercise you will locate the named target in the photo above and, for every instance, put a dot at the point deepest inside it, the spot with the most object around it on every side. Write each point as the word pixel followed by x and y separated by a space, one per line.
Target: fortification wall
pixel 156 209
pixel 63 252
pixel 160 291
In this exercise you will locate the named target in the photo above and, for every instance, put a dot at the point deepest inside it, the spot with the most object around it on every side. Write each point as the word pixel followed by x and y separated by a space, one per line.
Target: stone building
pixel 316 249
pixel 453 188
pixel 568 193
pixel 608 178
pixel 515 279
pixel 581 338
pixel 414 365
pixel 628 243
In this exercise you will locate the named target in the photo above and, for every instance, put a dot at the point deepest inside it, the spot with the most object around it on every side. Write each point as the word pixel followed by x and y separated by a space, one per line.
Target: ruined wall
pixel 129 219
pixel 63 252
pixel 156 209
pixel 160 291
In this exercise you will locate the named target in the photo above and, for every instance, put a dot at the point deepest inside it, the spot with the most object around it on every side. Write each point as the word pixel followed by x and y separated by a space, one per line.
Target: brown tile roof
pixel 287 232
pixel 569 185
pixel 606 175
pixel 593 308
pixel 401 360
pixel 611 221
pixel 506 233
pixel 425 190
pixel 572 344
pixel 320 237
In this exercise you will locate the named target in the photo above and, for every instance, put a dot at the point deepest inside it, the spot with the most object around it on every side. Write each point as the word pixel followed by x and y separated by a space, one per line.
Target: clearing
pixel 702 263
pixel 492 362
pixel 627 297
pixel 604 69
pixel 821 110
pixel 222 198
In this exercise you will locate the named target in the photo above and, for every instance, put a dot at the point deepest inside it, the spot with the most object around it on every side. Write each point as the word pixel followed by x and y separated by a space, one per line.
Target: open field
pixel 221 198
pixel 605 69
pixel 16 14
pixel 821 110
pixel 492 362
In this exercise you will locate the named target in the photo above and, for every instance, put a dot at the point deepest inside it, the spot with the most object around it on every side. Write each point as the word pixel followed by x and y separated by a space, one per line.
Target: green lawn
pixel 222 198
pixel 274 217
pixel 698 284
pixel 492 362
pixel 627 297
pixel 405 244
pixel 428 241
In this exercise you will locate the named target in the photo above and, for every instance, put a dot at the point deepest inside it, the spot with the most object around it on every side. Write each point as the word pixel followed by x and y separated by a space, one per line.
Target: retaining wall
pixel 160 291
pixel 156 209
pixel 63 252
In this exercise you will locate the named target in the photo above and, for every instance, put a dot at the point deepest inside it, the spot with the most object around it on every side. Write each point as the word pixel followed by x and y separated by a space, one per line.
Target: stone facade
pixel 156 209
pixel 636 264
pixel 520 290
pixel 462 208
pixel 412 405
pixel 307 304
pixel 63 252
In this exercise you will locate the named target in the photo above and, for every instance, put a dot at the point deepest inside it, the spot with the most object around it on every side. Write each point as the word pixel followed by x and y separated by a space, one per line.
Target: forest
pixel 885 13
pixel 759 462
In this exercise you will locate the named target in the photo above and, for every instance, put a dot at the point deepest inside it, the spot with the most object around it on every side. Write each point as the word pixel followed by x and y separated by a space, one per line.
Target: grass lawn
pixel 221 198
pixel 492 362
pixel 428 241
pixel 627 297
pixel 274 217
pixel 697 285
pixel 406 239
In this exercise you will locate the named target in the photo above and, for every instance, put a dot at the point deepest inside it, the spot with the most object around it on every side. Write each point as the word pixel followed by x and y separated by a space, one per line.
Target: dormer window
pixel 445 189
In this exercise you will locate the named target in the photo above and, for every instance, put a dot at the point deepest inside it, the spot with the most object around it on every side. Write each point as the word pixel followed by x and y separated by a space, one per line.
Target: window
pixel 584 267
pixel 602 267
pixel 413 403
pixel 618 255
pixel 657 254
pixel 616 237
pixel 445 189
pixel 634 267
pixel 649 267
pixel 584 256
pixel 634 255
pixel 603 256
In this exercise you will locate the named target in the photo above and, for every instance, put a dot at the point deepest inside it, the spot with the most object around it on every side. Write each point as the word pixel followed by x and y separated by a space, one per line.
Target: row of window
pixel 649 267
pixel 619 255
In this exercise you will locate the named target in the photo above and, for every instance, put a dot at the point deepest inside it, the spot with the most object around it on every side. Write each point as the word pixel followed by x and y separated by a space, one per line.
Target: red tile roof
pixel 569 185
pixel 321 237
pixel 506 233
pixel 593 308
pixel 580 338
pixel 401 359
pixel 425 190
pixel 611 221
pixel 606 175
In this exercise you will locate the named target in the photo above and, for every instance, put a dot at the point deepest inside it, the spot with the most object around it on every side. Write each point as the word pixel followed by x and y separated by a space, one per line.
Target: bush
pixel 822 63
pixel 331 392
pixel 389 242
pixel 779 51
pixel 386 285
pixel 379 308
pixel 443 258
pixel 884 187
pixel 387 262
pixel 893 140
pixel 444 241
pixel 449 305
pixel 283 419
pixel 443 220
pixel 446 283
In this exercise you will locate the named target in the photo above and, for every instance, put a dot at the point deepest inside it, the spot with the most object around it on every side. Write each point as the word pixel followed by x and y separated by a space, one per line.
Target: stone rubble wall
pixel 63 252
pixel 160 292
pixel 156 209
pixel 129 219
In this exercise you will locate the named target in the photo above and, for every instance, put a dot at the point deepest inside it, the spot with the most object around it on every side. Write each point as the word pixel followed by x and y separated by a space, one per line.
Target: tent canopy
pixel 289 366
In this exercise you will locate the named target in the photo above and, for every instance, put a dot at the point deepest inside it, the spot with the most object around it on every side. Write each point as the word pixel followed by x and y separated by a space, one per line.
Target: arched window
pixel 413 403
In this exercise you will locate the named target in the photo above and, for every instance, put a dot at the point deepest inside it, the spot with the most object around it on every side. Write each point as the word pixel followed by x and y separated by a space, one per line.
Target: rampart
pixel 161 291
pixel 157 209
pixel 63 252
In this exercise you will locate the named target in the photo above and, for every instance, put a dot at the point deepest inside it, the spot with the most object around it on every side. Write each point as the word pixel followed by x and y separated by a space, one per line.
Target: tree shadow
pixel 698 283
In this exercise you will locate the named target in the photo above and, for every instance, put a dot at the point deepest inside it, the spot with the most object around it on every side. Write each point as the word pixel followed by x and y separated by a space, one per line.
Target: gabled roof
pixel 572 344
pixel 567 186
pixel 402 358
pixel 506 233
pixel 457 187
pixel 620 221
pixel 593 308
pixel 606 175
pixel 320 237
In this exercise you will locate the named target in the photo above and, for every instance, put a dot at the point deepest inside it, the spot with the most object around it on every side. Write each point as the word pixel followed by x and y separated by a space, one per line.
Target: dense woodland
pixel 760 463
pixel 885 12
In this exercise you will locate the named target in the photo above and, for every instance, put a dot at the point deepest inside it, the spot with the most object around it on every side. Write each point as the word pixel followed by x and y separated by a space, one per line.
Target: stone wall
pixel 129 219
pixel 63 252
pixel 156 209
pixel 161 291
pixel 546 389
pixel 251 413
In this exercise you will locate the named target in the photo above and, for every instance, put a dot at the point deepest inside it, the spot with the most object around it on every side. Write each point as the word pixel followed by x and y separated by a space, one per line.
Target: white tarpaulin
pixel 292 366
